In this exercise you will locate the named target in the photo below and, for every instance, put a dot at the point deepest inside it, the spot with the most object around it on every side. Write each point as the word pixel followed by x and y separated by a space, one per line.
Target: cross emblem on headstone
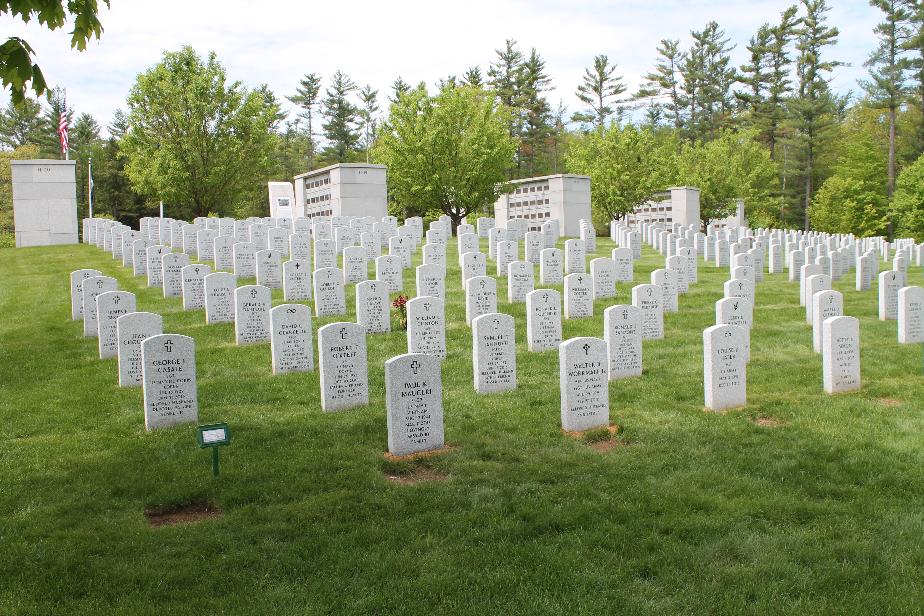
pixel 168 346
pixel 343 333
pixel 415 365
pixel 253 293
pixel 297 265
pixel 586 348
pixel 116 300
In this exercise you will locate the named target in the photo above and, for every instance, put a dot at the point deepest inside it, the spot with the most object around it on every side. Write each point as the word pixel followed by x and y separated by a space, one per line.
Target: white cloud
pixel 374 42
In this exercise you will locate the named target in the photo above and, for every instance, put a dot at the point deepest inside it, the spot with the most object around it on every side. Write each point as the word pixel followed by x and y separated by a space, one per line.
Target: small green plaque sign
pixel 214 436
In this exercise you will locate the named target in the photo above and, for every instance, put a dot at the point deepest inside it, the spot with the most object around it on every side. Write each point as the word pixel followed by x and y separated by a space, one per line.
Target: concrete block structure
pixel 44 202
pixel 679 204
pixel 735 221
pixel 281 199
pixel 563 197
pixel 345 189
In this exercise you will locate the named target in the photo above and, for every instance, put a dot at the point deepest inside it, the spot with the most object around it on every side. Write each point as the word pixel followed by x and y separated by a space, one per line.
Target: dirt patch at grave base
pixel 416 456
pixel 182 514
pixel 417 475
pixel 890 402
pixel 768 422
pixel 599 439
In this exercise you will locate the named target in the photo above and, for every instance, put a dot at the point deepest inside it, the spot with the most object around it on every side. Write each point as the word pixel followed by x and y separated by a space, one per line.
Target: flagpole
pixel 161 209
pixel 90 184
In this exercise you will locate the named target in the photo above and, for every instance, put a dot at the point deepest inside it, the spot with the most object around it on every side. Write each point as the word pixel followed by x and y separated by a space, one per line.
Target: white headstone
pixel 840 354
pixel 575 257
pixel 910 315
pixel 388 269
pixel 169 374
pixel 520 281
pixel 77 278
pixel 245 260
pixel 551 267
pixel 291 338
pixel 480 297
pixel 373 309
pixel 622 332
pixel 648 299
pixel 431 280
pixel 329 297
pixel 343 365
pixel 889 284
pixel 473 264
pixel 494 353
pixel 825 304
pixel 426 326
pixel 194 285
pixel 109 307
pixel 603 271
pixel 269 268
pixel 579 296
pixel 414 399
pixel 724 367
pixel 90 289
pixel 131 330
pixel 296 280
pixel 583 384
pixel 251 314
pixel 543 320
pixel 219 290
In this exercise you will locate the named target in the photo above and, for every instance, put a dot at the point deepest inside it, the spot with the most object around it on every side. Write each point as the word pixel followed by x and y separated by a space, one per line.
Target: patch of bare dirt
pixel 769 422
pixel 890 402
pixel 184 514
pixel 416 476
pixel 417 456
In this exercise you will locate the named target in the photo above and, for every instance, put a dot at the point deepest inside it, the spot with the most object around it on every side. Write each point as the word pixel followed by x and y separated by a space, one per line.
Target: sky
pixel 373 42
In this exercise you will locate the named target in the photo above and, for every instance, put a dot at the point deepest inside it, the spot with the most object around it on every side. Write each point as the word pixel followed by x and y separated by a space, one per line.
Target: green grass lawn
pixel 693 512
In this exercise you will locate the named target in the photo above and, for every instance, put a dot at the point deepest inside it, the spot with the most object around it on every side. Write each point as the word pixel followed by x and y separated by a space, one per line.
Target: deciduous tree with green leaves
pixel 18 71
pixel 627 166
pixel 195 140
pixel 908 204
pixel 448 152
pixel 732 166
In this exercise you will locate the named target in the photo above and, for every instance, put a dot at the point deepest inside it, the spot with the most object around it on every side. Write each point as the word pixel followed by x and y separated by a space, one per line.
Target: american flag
pixel 62 131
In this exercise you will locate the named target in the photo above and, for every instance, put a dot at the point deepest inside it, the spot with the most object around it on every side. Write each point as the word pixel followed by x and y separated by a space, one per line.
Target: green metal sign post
pixel 214 436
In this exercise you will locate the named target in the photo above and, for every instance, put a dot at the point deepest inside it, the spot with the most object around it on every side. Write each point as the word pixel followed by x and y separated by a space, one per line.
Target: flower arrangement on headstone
pixel 400 305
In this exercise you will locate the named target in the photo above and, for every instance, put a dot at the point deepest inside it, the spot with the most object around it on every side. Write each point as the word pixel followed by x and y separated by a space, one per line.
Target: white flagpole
pixel 90 185
pixel 161 209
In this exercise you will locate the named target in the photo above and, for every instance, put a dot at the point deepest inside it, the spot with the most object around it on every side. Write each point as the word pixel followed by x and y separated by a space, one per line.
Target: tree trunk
pixel 891 187
pixel 808 186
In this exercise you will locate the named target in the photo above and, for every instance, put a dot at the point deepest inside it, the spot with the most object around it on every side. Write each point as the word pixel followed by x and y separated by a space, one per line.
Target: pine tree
pixel 20 123
pixel 398 89
pixel 813 108
pixel 779 85
pixel 368 119
pixel 48 139
pixel 505 77
pixel 708 78
pixel 665 83
pixel 306 97
pixel 341 117
pixel 536 110
pixel 600 84
pixel 887 85
pixel 756 74
pixel 472 77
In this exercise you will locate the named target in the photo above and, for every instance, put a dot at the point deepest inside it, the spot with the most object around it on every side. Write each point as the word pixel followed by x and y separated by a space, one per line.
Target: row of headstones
pixel 164 364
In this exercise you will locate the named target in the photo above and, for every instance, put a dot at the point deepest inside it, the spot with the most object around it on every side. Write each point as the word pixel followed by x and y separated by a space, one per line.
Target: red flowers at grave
pixel 399 305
